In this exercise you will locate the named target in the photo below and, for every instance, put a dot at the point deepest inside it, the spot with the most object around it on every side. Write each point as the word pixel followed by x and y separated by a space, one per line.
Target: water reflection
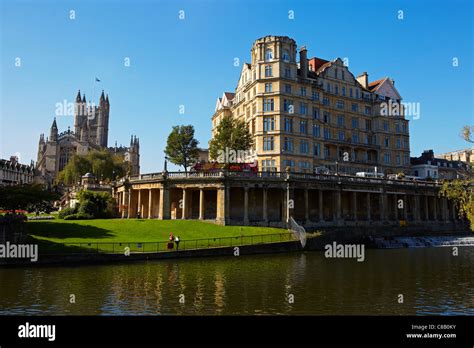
pixel 431 280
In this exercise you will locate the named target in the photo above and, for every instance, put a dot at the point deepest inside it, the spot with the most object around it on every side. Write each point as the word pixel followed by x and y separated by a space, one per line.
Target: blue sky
pixel 190 62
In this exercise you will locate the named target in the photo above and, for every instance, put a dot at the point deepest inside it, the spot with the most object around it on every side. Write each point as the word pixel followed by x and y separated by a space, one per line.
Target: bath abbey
pixel 91 131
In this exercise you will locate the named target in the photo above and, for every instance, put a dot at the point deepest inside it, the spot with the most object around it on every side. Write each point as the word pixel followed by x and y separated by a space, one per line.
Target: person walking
pixel 177 240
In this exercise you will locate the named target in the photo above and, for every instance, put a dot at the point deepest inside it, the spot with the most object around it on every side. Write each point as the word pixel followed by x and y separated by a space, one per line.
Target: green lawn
pixel 141 235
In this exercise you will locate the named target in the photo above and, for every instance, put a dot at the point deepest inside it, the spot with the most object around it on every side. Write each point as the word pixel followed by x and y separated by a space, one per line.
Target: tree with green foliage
pixel 29 197
pixel 231 134
pixel 103 164
pixel 461 192
pixel 91 205
pixel 181 146
pixel 467 133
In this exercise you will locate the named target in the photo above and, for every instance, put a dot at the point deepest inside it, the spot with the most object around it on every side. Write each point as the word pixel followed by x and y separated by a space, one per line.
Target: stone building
pixel 14 173
pixel 316 112
pixel 430 166
pixel 466 155
pixel 91 131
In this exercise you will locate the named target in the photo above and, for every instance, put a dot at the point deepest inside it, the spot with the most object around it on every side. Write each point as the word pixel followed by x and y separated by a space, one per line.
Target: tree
pixel 181 147
pixel 30 197
pixel 462 194
pixel 103 164
pixel 467 133
pixel 231 134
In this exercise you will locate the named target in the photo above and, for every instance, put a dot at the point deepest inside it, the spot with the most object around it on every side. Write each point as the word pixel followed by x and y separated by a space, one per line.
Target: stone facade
pixel 315 113
pixel 91 129
pixel 14 173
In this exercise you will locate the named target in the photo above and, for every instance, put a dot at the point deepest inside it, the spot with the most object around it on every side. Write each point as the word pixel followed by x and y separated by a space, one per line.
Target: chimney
pixel 303 62
pixel 363 79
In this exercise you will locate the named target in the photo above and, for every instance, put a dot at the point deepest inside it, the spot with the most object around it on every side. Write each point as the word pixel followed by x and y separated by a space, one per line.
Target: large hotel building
pixel 315 113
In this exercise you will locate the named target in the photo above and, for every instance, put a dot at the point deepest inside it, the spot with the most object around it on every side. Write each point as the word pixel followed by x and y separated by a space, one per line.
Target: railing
pixel 283 175
pixel 162 246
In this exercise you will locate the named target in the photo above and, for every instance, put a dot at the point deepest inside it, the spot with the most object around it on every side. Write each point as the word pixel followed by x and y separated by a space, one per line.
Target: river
pixel 431 281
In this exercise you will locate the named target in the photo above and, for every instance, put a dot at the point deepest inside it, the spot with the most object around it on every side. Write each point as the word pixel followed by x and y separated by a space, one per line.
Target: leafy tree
pixel 467 133
pixel 462 194
pixel 103 164
pixel 30 197
pixel 181 146
pixel 230 134
pixel 91 205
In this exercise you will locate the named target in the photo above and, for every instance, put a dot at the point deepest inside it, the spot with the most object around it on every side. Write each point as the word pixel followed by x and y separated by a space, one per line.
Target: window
pixel 368 125
pixel 340 104
pixel 268 143
pixel 268 87
pixel 355 107
pixel 315 95
pixel 326 152
pixel 304 165
pixel 343 77
pixel 288 125
pixel 342 136
pixel 303 91
pixel 385 126
pixel 288 163
pixel 288 106
pixel 397 127
pixel 316 113
pixel 268 55
pixel 399 144
pixel 326 117
pixel 386 142
pixel 268 105
pixel 357 93
pixel 328 87
pixel 404 127
pixel 288 73
pixel 316 130
pixel 288 144
pixel 340 120
pixel 336 89
pixel 355 138
pixel 386 158
pixel 286 56
pixel 343 90
pixel 350 92
pixel 268 71
pixel 268 124
pixel 317 149
pixel 303 108
pixel 368 110
pixel 327 133
pixel 304 146
pixel 303 126
pixel 355 123
pixel 398 159
pixel 335 73
pixel 288 88
pixel 268 165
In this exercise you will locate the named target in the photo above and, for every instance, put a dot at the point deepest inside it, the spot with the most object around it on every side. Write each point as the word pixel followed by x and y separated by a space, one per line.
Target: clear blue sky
pixel 190 62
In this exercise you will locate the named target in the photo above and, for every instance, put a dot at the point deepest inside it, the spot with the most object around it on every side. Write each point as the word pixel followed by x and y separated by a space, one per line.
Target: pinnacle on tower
pixel 84 98
pixel 54 125
pixel 78 98
pixel 102 97
pixel 107 99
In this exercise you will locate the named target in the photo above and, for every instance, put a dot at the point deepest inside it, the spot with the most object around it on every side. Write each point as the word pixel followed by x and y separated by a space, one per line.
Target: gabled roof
pixel 373 86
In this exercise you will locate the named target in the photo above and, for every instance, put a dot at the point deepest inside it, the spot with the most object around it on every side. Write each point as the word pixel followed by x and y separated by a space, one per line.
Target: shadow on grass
pixel 66 230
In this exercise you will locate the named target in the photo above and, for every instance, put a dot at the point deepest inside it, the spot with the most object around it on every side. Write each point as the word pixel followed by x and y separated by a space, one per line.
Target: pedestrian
pixel 177 240
pixel 170 242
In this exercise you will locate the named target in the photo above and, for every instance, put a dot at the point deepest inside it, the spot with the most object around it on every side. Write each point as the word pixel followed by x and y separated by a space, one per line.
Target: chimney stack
pixel 303 62
pixel 363 79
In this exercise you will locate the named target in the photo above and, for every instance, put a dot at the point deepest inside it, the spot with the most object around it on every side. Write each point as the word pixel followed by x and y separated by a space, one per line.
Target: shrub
pixel 78 216
pixel 65 212
pixel 97 204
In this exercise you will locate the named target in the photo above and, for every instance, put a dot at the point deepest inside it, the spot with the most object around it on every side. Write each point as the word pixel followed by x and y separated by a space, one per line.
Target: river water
pixel 431 281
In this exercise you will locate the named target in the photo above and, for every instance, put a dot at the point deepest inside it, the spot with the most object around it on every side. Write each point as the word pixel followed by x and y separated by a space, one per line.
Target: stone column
pixel 227 204
pixel 383 206
pixel 337 206
pixel 139 205
pixel 417 216
pixel 164 207
pixel 395 214
pixel 246 205
pixel 201 204
pixel 427 212
pixel 320 205
pixel 369 217
pixel 306 206
pixel 354 205
pixel 220 215
pixel 265 207
pixel 124 203
pixel 150 203
pixel 184 213
pixel 435 208
pixel 130 192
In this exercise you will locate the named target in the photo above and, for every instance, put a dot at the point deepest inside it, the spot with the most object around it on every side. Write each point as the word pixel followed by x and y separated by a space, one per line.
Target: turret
pixel 53 135
pixel 85 132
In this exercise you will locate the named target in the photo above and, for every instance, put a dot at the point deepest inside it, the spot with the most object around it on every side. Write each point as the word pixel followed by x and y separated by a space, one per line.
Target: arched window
pixel 286 56
pixel 268 54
